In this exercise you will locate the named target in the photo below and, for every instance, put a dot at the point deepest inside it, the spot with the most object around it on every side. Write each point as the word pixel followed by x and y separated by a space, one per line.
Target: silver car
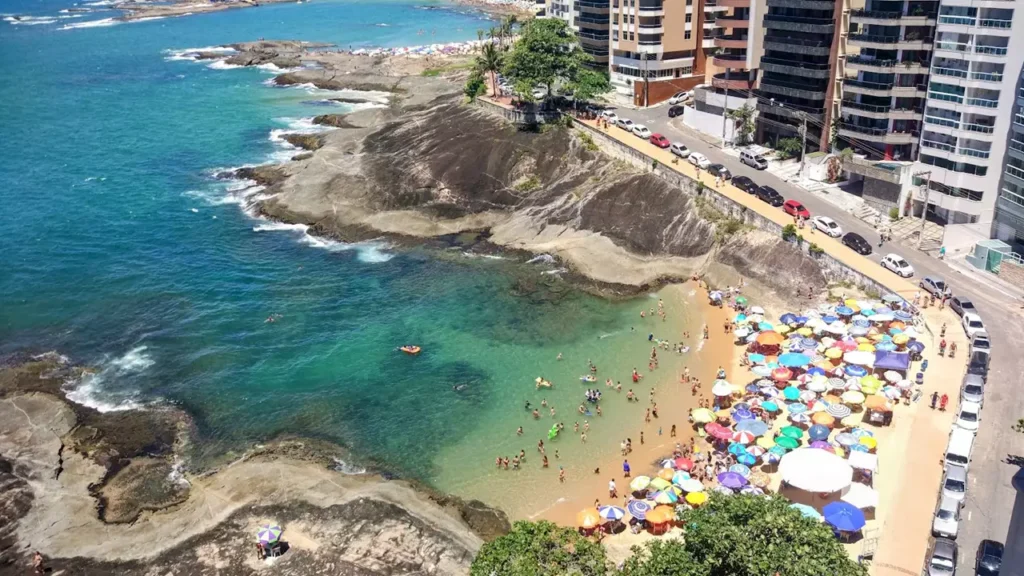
pixel 973 389
pixel 954 482
pixel 947 518
pixel 942 560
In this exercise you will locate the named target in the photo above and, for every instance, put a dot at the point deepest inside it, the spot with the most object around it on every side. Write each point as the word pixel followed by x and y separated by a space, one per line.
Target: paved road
pixel 997 450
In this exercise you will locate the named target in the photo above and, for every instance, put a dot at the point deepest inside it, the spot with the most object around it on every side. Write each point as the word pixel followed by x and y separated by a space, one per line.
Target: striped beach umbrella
pixel 839 411
pixel 611 512
pixel 269 534
pixel 638 509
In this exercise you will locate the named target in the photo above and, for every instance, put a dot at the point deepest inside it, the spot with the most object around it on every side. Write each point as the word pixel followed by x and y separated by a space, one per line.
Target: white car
pixel 610 116
pixel 947 518
pixel 624 123
pixel 641 131
pixel 678 98
pixel 970 414
pixel 700 160
pixel 539 93
pixel 972 324
pixel 896 264
pixel 827 225
pixel 679 149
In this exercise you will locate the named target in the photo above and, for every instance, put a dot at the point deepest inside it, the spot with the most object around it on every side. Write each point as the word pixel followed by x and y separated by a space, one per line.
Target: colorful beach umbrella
pixel 746 459
pixel 869 442
pixel 269 534
pixel 843 516
pixel 770 406
pixel 791 432
pixel 741 469
pixel 732 480
pixel 665 497
pixel 611 512
pixel 718 431
pixel 696 498
pixel 737 448
pixel 703 416
pixel 589 518
pixel 742 414
pixel 782 374
pixel 855 371
pixel 765 442
pixel 684 464
pixel 759 479
pixel 692 486
pixel 796 407
pixel 806 511
pixel 846 439
pixel 741 300
pixel 679 477
pixel 823 418
pixel 853 397
pixel 660 484
pixel 787 442
pixel 639 483
pixel 638 509
pixel 755 427
pixel 721 389
pixel 818 432
pixel 665 474
pixel 791 393
pixel 794 360
pixel 770 338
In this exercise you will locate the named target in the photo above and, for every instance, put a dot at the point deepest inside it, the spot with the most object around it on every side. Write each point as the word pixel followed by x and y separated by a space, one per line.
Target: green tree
pixel 479 37
pixel 744 118
pixel 540 549
pixel 660 558
pixel 475 85
pixel 548 53
pixel 789 147
pixel 745 535
pixel 489 62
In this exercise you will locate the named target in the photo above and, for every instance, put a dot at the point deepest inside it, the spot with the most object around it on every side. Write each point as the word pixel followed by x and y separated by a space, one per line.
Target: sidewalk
pixel 987 279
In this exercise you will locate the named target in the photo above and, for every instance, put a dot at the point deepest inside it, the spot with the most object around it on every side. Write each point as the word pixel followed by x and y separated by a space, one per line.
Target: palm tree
pixel 479 37
pixel 489 61
pixel 508 26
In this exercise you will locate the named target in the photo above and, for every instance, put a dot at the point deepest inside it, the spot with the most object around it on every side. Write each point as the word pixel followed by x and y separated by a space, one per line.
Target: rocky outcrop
pixel 304 141
pixel 333 120
pixel 262 175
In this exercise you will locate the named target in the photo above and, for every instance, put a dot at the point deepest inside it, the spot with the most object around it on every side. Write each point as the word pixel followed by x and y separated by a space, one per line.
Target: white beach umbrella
pixel 815 470
pixel 859 358
pixel 721 388
pixel 861 496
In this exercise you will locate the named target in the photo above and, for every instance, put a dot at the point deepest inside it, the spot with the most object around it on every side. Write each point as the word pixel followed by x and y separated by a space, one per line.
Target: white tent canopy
pixel 864 461
pixel 861 496
pixel 815 470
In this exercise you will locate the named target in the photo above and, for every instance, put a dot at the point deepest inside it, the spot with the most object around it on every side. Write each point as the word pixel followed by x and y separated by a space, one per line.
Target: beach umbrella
pixel 757 310
pixel 861 432
pixel 885 347
pixel 794 360
pixel 839 411
pixel 882 318
pixel 791 393
pixel 723 414
pixel 869 442
pixel 741 469
pixel 818 432
pixel 756 358
pixel 679 477
pixel 762 371
pixel 771 458
pixel 780 329
pixel 660 483
pixel 721 389
pixel 892 299
pixel 796 408
pixel 836 384
pixel 861 496
pixel 755 427
pixel 782 374
pixel 871 380
pixel 750 388
pixel 770 338
pixel 611 512
pixel 755 318
pixel 844 311
pixel 692 485
pixel 904 384
pixel 902 315
pixel 638 509
pixel 859 331
pixel 865 347
pixel 752 491
pixel 855 371
pixel 788 318
pixel 742 414
pixel 807 396
pixel 639 483
pixel 756 450
pixel 741 333
pixel 696 498
pixel 859 358
pixel 665 497
pixel 915 346
pixel 815 470
pixel 737 448
pixel 720 432
pixel 801 418
pixel 805 331
pixel 746 459
pixel 682 464
pixel 769 406
pixel 791 432
pixel 834 353
pixel 859 448
pixel 759 479
pixel 824 419
pixel 779 451
pixel 846 345
pixel 844 516
pixel 818 384
pixel 741 300
pixel 765 442
pixel 890 392
pixel 787 442
pixel 589 518
pixel 846 439
pixel 892 376
pixel 703 416
pixel 853 397
pixel 822 445
pixel 666 473
pixel 806 511
pixel 816 371
pixel 732 480
pixel 740 318
pixel 269 534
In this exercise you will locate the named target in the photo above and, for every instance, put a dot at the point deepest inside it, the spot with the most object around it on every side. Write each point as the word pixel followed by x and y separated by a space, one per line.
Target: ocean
pixel 122 251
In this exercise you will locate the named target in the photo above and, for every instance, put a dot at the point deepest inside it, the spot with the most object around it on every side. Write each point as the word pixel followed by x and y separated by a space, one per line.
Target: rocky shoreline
pixel 70 472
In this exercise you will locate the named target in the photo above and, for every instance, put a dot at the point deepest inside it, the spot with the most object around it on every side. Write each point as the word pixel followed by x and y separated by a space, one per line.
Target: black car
pixel 675 111
pixel 990 558
pixel 962 305
pixel 857 243
pixel 770 195
pixel 719 170
pixel 745 184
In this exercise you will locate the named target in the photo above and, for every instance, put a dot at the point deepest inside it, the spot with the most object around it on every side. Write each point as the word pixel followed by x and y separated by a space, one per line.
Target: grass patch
pixel 588 142
pixel 434 72
pixel 725 226
pixel 529 185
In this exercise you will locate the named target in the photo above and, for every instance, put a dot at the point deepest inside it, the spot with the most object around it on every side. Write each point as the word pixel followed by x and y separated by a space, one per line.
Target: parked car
pixel 745 184
pixel 610 116
pixel 795 208
pixel 676 111
pixel 935 286
pixel 857 243
pixel 660 141
pixel 896 264
pixel 753 160
pixel 624 123
pixel 990 558
pixel 942 560
pixel 972 324
pixel 641 131
pixel 954 482
pixel 962 305
pixel 947 518
pixel 700 160
pixel 973 389
pixel 679 149
pixel 827 225
pixel 970 415
pixel 677 98
pixel 719 170
pixel 980 343
pixel 770 195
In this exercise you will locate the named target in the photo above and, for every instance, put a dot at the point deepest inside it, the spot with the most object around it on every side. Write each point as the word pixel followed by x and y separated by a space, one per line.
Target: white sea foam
pixel 346 468
pixel 279 226
pixel 93 389
pixel 541 259
pixel 555 271
pixel 275 69
pixel 177 474
pixel 30 20
pixel 370 251
pixel 101 3
pixel 92 24
pixel 238 192
pixel 221 65
pixel 192 54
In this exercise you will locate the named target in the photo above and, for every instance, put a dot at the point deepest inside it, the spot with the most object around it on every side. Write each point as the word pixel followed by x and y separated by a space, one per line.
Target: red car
pixel 794 208
pixel 660 141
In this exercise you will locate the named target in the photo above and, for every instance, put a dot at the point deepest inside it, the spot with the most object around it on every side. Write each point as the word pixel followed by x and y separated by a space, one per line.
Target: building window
pixel 632 19
pixel 953 191
pixel 689 17
pixel 615 18
pixel 686 34
pixel 615 35
pixel 962 167
pixel 1012 193
pixel 689 2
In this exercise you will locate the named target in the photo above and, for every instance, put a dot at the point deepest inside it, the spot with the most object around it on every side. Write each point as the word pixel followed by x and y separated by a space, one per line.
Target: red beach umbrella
pixel 684 464
pixel 782 374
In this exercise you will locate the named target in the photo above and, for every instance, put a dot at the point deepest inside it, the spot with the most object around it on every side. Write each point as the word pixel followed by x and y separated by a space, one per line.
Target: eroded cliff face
pixel 442 167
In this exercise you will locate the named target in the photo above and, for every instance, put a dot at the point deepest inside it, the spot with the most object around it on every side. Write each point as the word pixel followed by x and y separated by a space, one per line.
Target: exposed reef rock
pixel 333 120
pixel 305 141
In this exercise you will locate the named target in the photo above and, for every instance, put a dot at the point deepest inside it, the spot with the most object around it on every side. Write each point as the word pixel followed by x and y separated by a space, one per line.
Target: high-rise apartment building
pixel 656 48
pixel 590 20
pixel 1008 224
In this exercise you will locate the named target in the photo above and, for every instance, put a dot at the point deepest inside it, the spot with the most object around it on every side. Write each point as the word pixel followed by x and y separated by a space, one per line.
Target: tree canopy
pixel 548 53
pixel 540 549
pixel 745 536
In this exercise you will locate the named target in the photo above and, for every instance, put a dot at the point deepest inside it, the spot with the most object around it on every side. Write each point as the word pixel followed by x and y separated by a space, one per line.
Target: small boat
pixel 412 350
pixel 588 379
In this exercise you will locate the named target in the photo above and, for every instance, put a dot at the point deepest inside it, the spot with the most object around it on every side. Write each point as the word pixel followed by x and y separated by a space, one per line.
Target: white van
pixel 753 160
pixel 959 449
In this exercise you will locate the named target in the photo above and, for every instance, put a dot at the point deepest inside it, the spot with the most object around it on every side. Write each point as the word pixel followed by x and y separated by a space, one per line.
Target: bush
pixel 789 148
pixel 815 250
pixel 475 85
pixel 540 549
pixel 588 142
pixel 894 213
pixel 529 185
pixel 654 165
pixel 789 232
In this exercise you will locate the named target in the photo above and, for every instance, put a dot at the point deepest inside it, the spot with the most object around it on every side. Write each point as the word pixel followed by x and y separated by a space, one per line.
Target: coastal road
pixel 998 451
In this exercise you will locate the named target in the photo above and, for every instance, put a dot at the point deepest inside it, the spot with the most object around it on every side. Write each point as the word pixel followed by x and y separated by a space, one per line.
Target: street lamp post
pixel 924 208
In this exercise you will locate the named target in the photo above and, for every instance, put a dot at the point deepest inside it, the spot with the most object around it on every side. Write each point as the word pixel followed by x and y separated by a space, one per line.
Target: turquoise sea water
pixel 120 250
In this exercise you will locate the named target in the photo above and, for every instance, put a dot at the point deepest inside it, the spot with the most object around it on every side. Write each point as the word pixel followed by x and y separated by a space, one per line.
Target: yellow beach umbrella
pixel 661 514
pixel 861 340
pixel 805 332
pixel 866 347
pixel 871 381
pixel 696 498
pixel 869 442
pixel 660 483
pixel 833 353
pixel 852 421
pixel 765 442
pixel 853 397
pixel 851 303
pixel 589 518
pixel 900 339
pixel 876 337
pixel 703 416
pixel 666 473
pixel 782 329
pixel 640 483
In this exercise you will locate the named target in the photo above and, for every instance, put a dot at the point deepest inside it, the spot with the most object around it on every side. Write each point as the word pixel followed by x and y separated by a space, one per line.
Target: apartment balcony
pixel 591 7
pixel 880 112
pixel 651 9
pixel 730 41
pixel 708 42
pixel 732 83
pixel 854 62
pixel 950 22
pixel 889 42
pixel 730 61
pixel 794 67
pixel 733 3
pixel 651 28
pixel 590 23
pixel 883 89
pixel 775 86
pixel 892 18
pixel 880 135
pixel 952 152
pixel 787 110
pixel 715 6
pixel 732 22
pixel 797 24
pixel 802 4
pixel 798 45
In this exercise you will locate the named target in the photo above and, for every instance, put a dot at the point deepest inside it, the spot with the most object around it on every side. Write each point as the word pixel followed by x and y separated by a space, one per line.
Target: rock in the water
pixel 333 120
pixel 305 141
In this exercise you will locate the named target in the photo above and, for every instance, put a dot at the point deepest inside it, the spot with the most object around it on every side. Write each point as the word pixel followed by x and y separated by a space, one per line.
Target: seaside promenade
pixel 910 464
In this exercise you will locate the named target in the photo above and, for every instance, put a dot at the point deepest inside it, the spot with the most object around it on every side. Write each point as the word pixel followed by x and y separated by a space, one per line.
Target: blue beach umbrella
pixel 867 312
pixel 861 433
pixel 810 343
pixel 765 326
pixel 828 318
pixel 747 459
pixel 740 469
pixel 742 414
pixel 855 371
pixel 756 358
pixel 796 407
pixel 740 318
pixel 902 315
pixel 816 371
pixel 772 365
pixel 679 477
pixel 751 388
pixel 611 512
pixel 860 448
pixel 802 319
pixel 806 511
pixel 741 406
pixel 818 432
pixel 791 393
pixel 638 509
pixel 885 347
pixel 794 360
pixel 916 346
pixel 755 427
pixel 862 322
pixel 788 318
pixel 883 310
pixel 844 311
pixel 770 406
pixel 737 449
pixel 845 517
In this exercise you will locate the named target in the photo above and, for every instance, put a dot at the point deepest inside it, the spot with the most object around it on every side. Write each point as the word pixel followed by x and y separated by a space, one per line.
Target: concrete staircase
pixel 868 214
pixel 909 229
pixel 785 171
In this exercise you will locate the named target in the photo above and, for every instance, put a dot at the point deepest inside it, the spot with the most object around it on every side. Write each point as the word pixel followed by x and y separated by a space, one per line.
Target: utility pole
pixel 924 208
pixel 647 94
pixel 725 110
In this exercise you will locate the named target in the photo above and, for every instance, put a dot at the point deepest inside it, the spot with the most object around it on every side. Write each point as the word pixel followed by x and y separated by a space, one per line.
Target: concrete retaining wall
pixel 519 117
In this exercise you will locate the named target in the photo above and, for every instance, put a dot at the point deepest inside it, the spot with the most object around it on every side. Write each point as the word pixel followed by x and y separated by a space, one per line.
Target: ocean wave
pixel 237 192
pixel 347 468
pixel 30 20
pixel 221 65
pixel 101 3
pixel 541 259
pixel 92 24
pixel 368 252
pixel 191 54
pixel 94 389
pixel 279 226
pixel 555 272
pixel 275 69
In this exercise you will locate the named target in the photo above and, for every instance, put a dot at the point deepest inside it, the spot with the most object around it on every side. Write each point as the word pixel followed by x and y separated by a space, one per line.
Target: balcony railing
pixel 886 63
pixel 889 15
pixel 869 85
pixel 957 20
pixel 951 46
pixel 980 128
pixel 987 76
pixel 852 104
pixel 796 63
pixel 945 97
pixel 995 23
pixel 954 72
pixel 994 50
pixel 938 145
pixel 983 102
pixel 940 121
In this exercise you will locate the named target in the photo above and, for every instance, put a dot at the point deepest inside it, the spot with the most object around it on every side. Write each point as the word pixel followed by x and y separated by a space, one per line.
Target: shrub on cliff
pixel 475 85
pixel 745 536
pixel 540 549
pixel 547 54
